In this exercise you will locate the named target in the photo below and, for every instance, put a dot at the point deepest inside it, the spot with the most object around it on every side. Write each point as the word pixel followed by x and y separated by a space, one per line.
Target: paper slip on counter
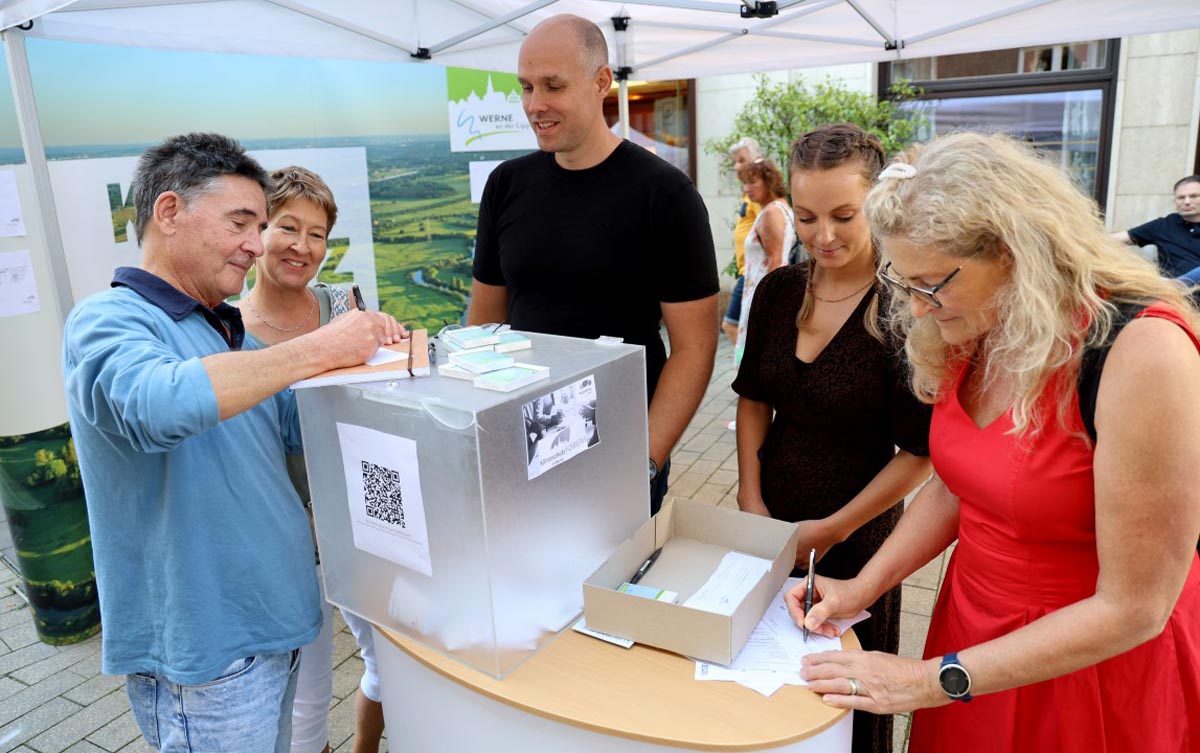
pixel 694 537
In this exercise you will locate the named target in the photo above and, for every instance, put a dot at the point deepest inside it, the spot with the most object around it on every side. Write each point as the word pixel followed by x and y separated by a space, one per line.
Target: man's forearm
pixel 242 379
pixel 680 389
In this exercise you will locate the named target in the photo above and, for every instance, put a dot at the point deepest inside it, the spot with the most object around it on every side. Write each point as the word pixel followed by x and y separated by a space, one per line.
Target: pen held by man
pixel 394 331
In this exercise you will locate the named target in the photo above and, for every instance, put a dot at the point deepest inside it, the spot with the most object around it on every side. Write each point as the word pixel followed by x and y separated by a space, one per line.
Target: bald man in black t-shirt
pixel 594 236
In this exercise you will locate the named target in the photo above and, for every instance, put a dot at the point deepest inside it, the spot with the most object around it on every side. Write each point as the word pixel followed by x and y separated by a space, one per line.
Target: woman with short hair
pixel 282 304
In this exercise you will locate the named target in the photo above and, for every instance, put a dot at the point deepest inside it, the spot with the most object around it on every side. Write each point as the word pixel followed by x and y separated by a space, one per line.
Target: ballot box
pixel 467 519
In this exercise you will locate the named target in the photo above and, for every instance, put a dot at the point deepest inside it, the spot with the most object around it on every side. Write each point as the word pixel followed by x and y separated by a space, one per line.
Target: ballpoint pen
pixel 808 591
pixel 646 565
pixel 359 303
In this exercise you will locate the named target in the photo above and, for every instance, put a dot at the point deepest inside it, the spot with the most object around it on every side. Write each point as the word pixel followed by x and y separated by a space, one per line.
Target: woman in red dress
pixel 1069 619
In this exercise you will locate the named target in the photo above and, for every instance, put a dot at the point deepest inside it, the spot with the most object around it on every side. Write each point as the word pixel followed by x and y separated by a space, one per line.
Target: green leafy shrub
pixel 779 113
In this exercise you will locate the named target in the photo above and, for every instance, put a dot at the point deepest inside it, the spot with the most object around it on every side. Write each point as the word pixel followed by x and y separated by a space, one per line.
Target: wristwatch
pixel 653 470
pixel 954 679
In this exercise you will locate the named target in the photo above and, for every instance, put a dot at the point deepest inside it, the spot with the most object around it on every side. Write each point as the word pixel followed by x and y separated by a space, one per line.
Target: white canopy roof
pixel 667 39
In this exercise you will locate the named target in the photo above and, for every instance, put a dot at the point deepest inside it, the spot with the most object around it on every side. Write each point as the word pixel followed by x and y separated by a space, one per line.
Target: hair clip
pixel 899 171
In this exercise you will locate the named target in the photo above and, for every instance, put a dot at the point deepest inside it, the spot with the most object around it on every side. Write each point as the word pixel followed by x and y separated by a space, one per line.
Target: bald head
pixel 591 45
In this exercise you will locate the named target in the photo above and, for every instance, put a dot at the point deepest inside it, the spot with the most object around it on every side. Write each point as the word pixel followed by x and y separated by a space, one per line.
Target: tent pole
pixel 35 157
pixel 623 106
pixel 621 42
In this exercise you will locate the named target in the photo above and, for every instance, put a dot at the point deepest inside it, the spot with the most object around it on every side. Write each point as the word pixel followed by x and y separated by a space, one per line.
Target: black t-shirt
pixel 593 252
pixel 1178 243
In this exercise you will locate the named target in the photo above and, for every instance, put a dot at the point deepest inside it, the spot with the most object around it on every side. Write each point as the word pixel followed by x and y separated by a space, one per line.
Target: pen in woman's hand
pixel 808 591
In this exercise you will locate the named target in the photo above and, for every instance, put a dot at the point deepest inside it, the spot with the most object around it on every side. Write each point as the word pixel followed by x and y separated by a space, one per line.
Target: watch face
pixel 954 680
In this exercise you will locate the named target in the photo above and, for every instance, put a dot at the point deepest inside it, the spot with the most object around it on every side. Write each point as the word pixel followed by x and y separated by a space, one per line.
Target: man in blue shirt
pixel 1177 235
pixel 202 548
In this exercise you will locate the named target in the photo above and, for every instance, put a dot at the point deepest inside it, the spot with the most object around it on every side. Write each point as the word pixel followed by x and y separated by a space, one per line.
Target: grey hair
pixel 188 165
pixel 748 143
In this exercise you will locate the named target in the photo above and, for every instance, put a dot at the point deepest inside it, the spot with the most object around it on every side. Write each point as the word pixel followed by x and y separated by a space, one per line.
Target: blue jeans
pixel 248 709
pixel 734 314
pixel 658 489
pixel 1191 277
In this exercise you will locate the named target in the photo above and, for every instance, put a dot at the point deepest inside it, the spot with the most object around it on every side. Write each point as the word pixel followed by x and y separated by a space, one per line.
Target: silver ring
pixel 854 688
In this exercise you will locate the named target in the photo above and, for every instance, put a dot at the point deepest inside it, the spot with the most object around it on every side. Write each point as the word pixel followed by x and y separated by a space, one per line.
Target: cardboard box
pixel 694 537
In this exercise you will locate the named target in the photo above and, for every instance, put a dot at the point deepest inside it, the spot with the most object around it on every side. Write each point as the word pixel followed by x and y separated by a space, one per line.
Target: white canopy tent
pixel 665 39
pixel 668 38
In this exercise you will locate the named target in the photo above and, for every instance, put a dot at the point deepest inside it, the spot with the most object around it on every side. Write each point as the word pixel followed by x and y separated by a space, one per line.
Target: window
pixel 660 117
pixel 1058 97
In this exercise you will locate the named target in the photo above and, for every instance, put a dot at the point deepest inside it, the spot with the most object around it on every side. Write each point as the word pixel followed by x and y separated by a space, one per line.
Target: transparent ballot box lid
pixel 468 518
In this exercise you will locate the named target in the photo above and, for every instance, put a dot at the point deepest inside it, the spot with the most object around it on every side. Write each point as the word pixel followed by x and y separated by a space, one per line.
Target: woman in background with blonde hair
pixel 1069 618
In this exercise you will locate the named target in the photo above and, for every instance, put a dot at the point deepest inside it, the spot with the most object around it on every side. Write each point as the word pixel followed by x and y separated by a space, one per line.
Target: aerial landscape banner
pixel 377 132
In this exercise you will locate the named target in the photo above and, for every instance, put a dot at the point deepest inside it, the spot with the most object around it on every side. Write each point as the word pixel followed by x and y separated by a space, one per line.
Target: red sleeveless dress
pixel 1026 547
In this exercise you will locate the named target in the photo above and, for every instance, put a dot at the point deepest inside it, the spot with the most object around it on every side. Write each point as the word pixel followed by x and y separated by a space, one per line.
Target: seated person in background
pixel 282 306
pixel 1177 235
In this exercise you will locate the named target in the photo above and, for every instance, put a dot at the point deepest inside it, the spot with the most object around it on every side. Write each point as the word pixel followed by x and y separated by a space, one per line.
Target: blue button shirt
pixel 203 550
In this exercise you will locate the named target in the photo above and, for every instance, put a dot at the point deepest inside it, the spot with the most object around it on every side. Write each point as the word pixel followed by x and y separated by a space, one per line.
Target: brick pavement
pixel 54 699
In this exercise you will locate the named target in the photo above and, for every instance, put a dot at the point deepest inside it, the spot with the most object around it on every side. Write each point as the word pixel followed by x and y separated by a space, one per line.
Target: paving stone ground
pixel 54 699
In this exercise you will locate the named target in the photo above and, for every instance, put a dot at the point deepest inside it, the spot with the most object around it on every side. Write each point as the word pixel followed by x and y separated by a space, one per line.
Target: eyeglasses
pixel 925 295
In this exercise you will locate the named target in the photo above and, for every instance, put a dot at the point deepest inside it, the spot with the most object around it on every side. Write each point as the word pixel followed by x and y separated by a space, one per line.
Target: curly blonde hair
pixel 995 197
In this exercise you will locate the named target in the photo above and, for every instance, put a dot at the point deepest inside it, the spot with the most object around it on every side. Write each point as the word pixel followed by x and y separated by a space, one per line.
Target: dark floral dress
pixel 837 423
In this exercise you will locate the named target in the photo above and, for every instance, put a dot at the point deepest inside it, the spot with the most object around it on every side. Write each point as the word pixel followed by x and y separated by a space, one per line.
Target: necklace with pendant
pixel 843 298
pixel 312 307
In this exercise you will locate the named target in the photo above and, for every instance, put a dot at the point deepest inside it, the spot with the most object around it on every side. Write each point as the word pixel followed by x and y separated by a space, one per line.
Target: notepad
pixel 512 378
pixel 408 358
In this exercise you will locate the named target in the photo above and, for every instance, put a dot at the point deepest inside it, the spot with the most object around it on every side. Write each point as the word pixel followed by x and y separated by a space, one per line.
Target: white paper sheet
pixel 12 219
pixel 18 287
pixel 479 171
pixel 387 512
pixel 581 627
pixel 383 355
pixel 772 655
pixel 735 577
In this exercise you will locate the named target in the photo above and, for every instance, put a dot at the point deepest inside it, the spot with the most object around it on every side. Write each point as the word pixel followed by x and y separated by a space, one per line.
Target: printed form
pixel 735 576
pixel 771 657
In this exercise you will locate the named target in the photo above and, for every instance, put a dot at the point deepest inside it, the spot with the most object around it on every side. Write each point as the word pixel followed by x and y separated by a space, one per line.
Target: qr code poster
pixel 561 424
pixel 387 514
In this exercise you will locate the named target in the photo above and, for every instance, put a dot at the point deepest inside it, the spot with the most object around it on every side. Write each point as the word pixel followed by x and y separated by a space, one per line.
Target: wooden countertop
pixel 642 693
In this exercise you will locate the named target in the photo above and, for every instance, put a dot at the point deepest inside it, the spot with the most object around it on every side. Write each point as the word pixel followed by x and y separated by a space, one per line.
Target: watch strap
pixel 949 661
